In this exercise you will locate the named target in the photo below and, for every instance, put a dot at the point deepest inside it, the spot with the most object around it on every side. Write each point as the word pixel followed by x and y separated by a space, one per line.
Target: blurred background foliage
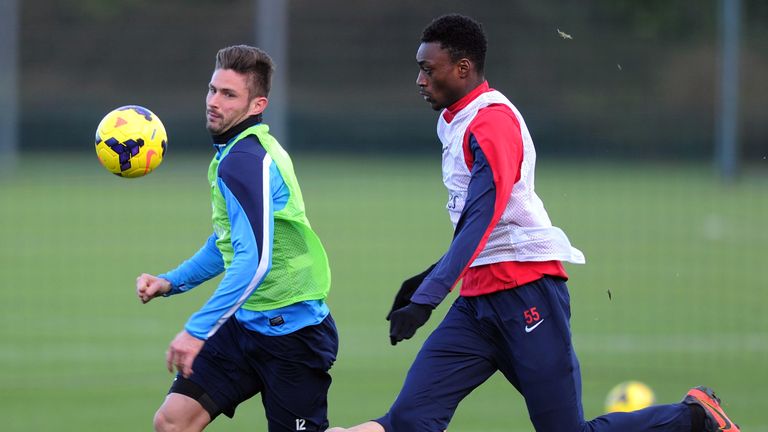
pixel 638 79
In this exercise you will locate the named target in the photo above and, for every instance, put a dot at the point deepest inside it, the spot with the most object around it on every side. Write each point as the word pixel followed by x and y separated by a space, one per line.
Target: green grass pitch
pixel 681 254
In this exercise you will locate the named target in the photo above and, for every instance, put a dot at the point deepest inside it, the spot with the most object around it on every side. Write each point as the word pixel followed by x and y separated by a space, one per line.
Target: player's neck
pixel 235 130
pixel 469 95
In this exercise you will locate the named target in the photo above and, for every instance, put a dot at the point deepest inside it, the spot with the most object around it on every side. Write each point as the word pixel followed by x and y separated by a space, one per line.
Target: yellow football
pixel 629 396
pixel 131 141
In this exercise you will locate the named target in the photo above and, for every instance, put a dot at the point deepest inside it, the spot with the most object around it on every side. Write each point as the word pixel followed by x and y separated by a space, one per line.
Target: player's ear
pixel 463 67
pixel 258 105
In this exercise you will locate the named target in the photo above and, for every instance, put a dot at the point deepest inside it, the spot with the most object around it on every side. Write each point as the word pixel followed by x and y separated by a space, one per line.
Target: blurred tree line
pixel 637 80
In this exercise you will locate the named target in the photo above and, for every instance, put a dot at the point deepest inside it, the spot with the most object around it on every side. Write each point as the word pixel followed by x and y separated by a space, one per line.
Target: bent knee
pixel 162 422
pixel 167 421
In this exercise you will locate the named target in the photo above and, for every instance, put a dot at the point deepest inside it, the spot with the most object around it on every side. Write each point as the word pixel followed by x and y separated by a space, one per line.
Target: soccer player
pixel 513 311
pixel 266 328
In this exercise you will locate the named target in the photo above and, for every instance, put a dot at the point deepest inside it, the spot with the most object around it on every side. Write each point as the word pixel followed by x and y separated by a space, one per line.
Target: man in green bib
pixel 266 328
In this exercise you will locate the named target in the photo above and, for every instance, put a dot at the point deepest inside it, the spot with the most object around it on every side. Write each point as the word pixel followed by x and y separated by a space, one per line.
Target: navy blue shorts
pixel 290 372
pixel 524 333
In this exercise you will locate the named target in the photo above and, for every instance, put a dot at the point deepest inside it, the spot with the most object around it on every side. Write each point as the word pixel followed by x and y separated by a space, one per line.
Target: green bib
pixel 300 268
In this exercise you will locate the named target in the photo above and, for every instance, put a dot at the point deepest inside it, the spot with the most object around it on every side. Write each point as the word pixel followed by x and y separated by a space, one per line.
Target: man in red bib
pixel 513 311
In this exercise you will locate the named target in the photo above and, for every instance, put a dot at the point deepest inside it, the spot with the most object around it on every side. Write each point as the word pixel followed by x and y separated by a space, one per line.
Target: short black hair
pixel 462 36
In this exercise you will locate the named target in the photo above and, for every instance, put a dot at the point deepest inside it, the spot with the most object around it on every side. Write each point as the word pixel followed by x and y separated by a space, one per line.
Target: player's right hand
pixel 408 287
pixel 407 320
pixel 149 287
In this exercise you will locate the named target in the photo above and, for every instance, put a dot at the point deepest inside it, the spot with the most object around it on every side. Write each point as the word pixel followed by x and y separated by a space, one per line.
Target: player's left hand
pixel 404 322
pixel 182 352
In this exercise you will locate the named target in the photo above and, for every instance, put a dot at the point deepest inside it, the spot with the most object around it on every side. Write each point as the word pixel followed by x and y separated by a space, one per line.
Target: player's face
pixel 439 78
pixel 228 102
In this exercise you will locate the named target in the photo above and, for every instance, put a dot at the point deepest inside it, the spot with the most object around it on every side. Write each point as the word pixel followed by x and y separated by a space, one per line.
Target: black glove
pixel 408 287
pixel 404 321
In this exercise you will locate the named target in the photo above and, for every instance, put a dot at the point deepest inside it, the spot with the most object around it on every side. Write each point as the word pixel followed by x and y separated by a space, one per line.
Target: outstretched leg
pixel 455 359
pixel 545 368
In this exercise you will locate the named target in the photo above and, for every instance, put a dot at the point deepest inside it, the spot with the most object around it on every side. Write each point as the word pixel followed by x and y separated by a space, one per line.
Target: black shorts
pixel 290 372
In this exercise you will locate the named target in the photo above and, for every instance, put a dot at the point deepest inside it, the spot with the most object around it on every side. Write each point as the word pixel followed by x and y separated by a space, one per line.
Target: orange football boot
pixel 716 420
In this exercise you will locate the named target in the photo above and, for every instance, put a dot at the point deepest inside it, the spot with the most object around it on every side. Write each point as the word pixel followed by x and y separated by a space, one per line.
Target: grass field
pixel 681 254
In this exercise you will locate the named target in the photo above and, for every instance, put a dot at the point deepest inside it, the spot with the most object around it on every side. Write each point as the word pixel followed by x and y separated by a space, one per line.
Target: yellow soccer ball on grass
pixel 131 141
pixel 629 396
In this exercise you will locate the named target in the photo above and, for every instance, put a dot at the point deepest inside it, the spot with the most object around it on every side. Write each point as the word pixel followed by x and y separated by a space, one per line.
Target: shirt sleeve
pixel 493 152
pixel 244 181
pixel 203 265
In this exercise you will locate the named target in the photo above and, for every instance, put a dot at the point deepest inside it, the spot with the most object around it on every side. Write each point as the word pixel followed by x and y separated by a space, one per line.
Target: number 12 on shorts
pixel 301 425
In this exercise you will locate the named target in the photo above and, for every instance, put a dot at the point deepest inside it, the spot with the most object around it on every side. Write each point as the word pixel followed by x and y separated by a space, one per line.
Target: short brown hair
pixel 251 61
